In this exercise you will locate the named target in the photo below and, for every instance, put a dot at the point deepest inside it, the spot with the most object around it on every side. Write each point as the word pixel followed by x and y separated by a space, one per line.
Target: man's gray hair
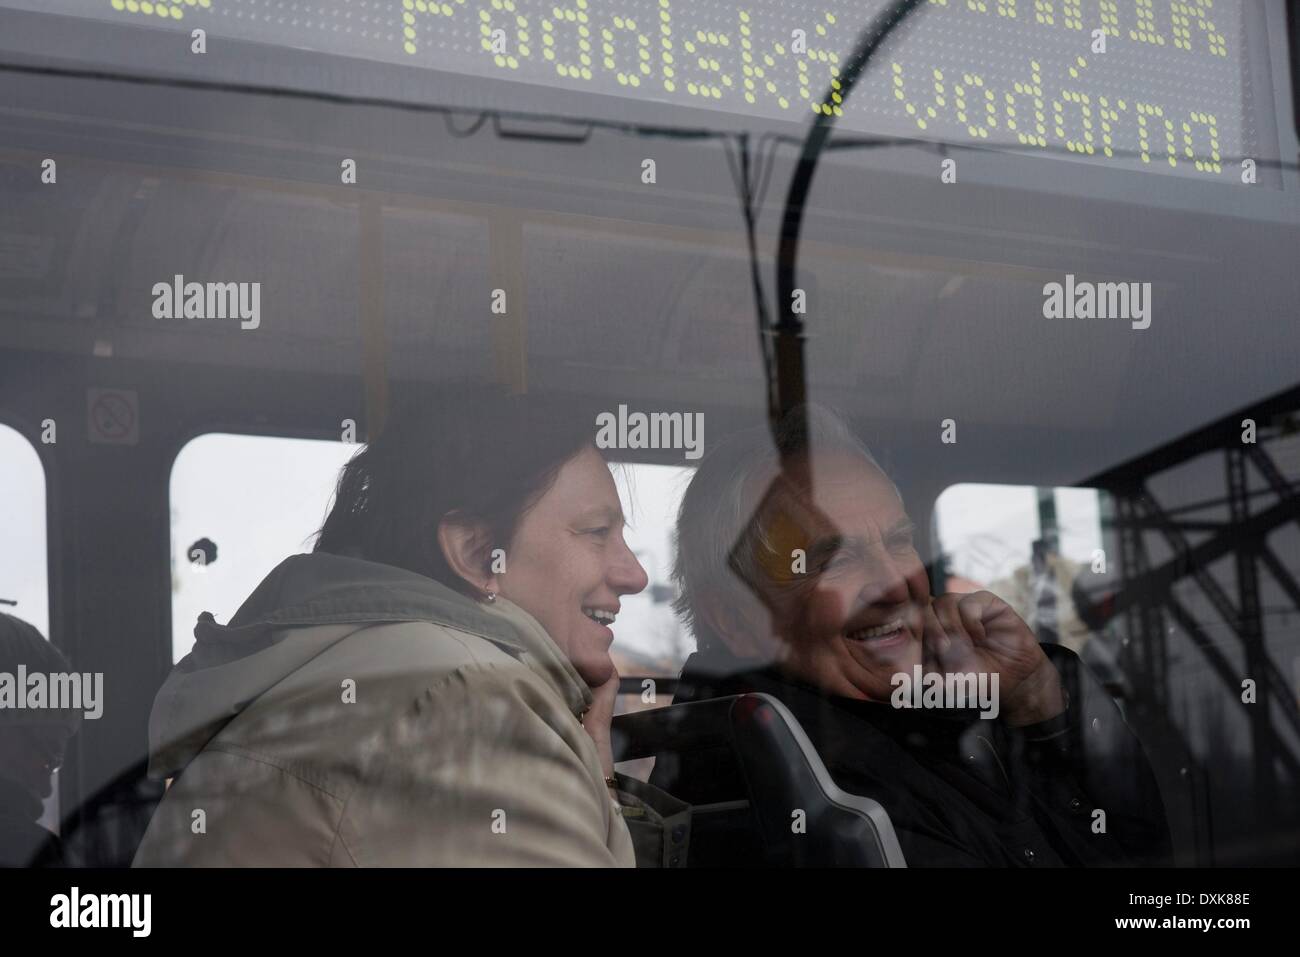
pixel 720 503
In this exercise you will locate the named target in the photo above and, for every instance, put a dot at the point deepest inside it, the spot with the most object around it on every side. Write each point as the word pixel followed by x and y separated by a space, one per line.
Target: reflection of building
pixel 1042 596
pixel 663 671
pixel 1060 578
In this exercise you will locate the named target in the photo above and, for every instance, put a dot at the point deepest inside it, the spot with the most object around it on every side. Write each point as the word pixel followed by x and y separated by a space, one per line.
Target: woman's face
pixel 569 565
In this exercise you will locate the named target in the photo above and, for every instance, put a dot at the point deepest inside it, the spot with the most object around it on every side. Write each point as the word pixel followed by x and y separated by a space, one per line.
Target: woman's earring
pixel 490 597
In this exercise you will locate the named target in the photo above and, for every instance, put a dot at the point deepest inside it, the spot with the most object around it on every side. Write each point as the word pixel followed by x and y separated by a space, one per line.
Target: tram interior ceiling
pixel 1047 247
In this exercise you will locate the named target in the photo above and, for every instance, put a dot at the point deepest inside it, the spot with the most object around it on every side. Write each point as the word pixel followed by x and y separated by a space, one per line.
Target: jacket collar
pixel 542 654
pixel 326 589
pixel 307 604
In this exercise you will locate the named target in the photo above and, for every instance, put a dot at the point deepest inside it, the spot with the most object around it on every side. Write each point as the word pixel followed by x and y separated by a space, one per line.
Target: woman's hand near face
pixel 597 720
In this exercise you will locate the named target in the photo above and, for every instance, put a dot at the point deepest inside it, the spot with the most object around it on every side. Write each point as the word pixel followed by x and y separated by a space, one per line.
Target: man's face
pixel 852 619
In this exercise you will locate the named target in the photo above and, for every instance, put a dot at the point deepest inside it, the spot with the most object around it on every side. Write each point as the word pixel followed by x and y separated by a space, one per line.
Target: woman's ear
pixel 467 548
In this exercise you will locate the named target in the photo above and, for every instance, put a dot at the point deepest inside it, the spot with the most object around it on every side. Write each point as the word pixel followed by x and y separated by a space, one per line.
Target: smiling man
pixel 804 582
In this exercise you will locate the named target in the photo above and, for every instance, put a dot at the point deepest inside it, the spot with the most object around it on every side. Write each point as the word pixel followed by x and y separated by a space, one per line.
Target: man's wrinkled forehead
pixel 850 497
pixel 814 482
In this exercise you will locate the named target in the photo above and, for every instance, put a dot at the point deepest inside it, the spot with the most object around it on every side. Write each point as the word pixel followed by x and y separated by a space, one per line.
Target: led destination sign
pixel 1170 93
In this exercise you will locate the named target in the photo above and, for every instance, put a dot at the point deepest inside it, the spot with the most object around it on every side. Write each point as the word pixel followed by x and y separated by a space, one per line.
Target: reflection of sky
pixel 22 539
pixel 987 530
pixel 651 495
pixel 23 556
pixel 261 499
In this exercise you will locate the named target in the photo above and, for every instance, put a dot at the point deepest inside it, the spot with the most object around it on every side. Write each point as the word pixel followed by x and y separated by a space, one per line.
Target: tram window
pixel 257 500
pixel 650 641
pixel 1021 542
pixel 23 559
pixel 24 586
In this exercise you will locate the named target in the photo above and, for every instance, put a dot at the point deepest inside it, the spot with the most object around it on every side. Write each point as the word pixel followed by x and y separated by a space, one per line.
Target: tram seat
pixel 754 822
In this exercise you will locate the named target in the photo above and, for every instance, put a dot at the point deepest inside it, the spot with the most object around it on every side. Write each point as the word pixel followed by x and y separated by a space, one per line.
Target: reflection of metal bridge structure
pixel 1209 548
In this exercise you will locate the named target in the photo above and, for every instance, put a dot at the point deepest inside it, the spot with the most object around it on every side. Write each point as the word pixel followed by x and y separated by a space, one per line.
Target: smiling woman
pixel 447 642
pixel 564 560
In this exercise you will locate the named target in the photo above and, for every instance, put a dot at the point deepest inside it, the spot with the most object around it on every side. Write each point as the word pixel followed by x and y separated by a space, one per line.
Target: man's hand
pixel 597 720
pixel 981 633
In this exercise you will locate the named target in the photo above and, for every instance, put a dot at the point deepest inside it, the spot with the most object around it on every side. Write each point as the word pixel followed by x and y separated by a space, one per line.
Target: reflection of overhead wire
pixel 464 134
pixel 481 117
pixel 752 191
pixel 768 165
pixel 786 380
pixel 765 153
pixel 766 162
pixel 745 187
pixel 538 136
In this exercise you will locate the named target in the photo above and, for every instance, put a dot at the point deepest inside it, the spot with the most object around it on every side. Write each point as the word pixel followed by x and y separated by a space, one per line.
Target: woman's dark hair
pixel 486 455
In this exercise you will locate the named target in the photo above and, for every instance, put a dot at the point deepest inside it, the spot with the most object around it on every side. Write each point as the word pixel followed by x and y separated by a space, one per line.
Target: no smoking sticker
pixel 113 416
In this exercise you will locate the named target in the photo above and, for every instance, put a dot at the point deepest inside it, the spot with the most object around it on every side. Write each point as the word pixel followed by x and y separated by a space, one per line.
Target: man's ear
pixel 742 626
pixel 467 548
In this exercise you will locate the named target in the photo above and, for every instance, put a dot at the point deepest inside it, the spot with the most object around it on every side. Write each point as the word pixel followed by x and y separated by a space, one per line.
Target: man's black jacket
pixel 961 791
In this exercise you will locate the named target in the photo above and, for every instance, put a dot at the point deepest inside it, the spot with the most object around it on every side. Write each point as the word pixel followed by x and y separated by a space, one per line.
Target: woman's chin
pixel 596 671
